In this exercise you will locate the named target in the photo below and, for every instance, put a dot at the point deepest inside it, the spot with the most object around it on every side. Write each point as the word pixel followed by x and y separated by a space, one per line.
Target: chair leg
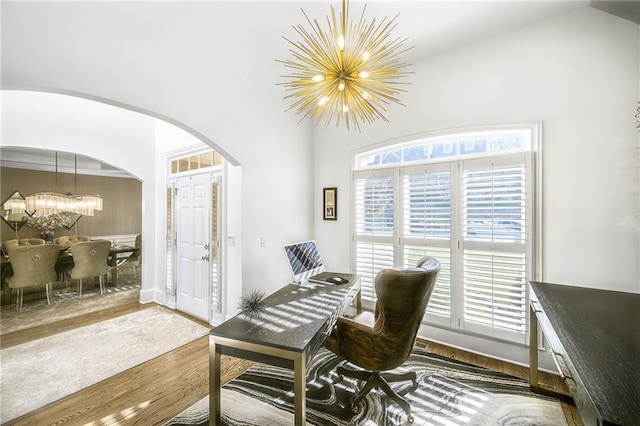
pixel 47 285
pixel 101 285
pixel 371 383
pixel 354 374
pixel 401 377
pixel 19 300
pixel 384 386
pixel 80 288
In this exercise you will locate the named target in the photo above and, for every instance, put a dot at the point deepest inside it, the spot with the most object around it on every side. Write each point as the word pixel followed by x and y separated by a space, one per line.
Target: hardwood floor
pixel 159 389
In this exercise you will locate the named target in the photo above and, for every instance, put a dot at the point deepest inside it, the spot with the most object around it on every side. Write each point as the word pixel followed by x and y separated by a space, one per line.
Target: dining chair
pixel 89 261
pixel 7 245
pixel 68 240
pixel 33 266
pixel 135 260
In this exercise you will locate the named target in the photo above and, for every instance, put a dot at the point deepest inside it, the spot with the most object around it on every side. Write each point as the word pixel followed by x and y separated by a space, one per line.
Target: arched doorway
pixel 125 137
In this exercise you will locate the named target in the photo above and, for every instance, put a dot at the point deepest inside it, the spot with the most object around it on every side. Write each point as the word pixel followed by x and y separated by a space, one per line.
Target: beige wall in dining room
pixel 122 201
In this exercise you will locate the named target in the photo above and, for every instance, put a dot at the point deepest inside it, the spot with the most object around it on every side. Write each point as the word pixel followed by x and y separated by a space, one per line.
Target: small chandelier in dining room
pixel 347 74
pixel 48 203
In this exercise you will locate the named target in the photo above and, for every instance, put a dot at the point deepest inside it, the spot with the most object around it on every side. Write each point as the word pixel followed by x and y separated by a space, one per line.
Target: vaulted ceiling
pixel 431 27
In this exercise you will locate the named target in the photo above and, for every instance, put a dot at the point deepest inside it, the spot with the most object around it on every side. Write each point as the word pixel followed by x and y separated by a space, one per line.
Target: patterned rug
pixel 449 393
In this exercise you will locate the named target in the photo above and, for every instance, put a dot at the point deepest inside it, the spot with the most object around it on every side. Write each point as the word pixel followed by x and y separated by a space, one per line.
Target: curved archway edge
pixel 136 109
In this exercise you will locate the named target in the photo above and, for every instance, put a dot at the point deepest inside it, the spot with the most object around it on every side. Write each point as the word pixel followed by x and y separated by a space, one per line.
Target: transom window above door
pixel 196 162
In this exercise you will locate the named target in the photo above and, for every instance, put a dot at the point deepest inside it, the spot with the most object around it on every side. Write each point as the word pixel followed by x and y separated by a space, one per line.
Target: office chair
pixel 383 341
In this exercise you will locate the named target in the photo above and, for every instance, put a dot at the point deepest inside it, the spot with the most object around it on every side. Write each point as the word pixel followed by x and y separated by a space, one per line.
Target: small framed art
pixel 330 204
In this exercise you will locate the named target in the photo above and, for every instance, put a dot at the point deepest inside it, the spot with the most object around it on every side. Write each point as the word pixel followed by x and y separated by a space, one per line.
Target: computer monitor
pixel 304 260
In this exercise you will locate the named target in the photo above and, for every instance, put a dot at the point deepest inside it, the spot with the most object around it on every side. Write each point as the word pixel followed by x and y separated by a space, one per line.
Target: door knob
pixel 206 246
pixel 205 257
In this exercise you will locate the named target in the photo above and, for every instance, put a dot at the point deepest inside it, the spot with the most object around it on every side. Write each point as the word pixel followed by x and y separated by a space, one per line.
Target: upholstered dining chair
pixel 68 240
pixel 89 261
pixel 7 245
pixel 135 260
pixel 382 341
pixel 33 266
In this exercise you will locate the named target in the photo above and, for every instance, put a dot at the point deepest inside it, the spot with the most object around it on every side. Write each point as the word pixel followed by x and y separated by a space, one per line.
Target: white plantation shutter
pixel 440 301
pixel 496 217
pixel 427 205
pixel 426 226
pixel 371 258
pixel 494 292
pixel 170 286
pixel 374 224
pixel 216 290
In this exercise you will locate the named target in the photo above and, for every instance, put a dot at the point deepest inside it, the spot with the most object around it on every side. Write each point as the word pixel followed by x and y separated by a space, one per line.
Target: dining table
pixel 117 256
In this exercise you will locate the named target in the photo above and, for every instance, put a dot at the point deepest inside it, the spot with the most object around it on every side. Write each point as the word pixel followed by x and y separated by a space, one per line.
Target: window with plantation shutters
pixel 472 209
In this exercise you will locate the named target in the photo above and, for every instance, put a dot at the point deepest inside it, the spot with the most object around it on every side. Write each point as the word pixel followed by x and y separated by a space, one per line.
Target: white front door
pixel 193 211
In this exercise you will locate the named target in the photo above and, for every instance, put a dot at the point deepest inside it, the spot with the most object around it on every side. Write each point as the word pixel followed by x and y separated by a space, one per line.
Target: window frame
pixel 399 170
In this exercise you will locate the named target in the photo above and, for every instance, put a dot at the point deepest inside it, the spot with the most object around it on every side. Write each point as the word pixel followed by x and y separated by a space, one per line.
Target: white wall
pixel 579 75
pixel 168 58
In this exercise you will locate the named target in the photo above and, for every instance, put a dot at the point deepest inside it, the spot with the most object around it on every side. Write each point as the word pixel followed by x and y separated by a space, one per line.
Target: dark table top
pixel 65 260
pixel 600 330
pixel 293 317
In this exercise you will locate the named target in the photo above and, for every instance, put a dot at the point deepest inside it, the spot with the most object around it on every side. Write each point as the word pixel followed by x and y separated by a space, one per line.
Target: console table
pixel 293 326
pixel 594 337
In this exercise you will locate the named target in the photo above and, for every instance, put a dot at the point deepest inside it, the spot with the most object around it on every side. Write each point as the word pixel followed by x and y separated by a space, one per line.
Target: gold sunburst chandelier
pixel 347 74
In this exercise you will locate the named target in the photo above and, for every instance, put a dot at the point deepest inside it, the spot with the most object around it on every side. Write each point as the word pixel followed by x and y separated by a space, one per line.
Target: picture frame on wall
pixel 330 204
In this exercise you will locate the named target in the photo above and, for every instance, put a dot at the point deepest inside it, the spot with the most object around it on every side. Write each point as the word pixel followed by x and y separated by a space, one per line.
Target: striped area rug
pixel 449 393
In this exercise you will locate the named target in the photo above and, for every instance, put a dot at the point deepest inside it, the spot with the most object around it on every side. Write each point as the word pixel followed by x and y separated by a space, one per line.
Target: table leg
pixel 533 348
pixel 214 383
pixel 113 264
pixel 534 384
pixel 300 389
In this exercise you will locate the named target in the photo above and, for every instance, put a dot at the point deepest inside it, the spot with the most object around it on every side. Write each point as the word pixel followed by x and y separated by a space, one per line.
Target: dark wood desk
pixel 594 336
pixel 296 321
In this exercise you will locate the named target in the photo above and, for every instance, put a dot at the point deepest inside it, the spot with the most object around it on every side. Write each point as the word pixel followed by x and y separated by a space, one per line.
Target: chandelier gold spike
pixel 347 74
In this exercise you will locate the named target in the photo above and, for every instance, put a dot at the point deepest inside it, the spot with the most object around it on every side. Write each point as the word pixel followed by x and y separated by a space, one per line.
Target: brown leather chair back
pixel 33 265
pixel 89 259
pixel 385 344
